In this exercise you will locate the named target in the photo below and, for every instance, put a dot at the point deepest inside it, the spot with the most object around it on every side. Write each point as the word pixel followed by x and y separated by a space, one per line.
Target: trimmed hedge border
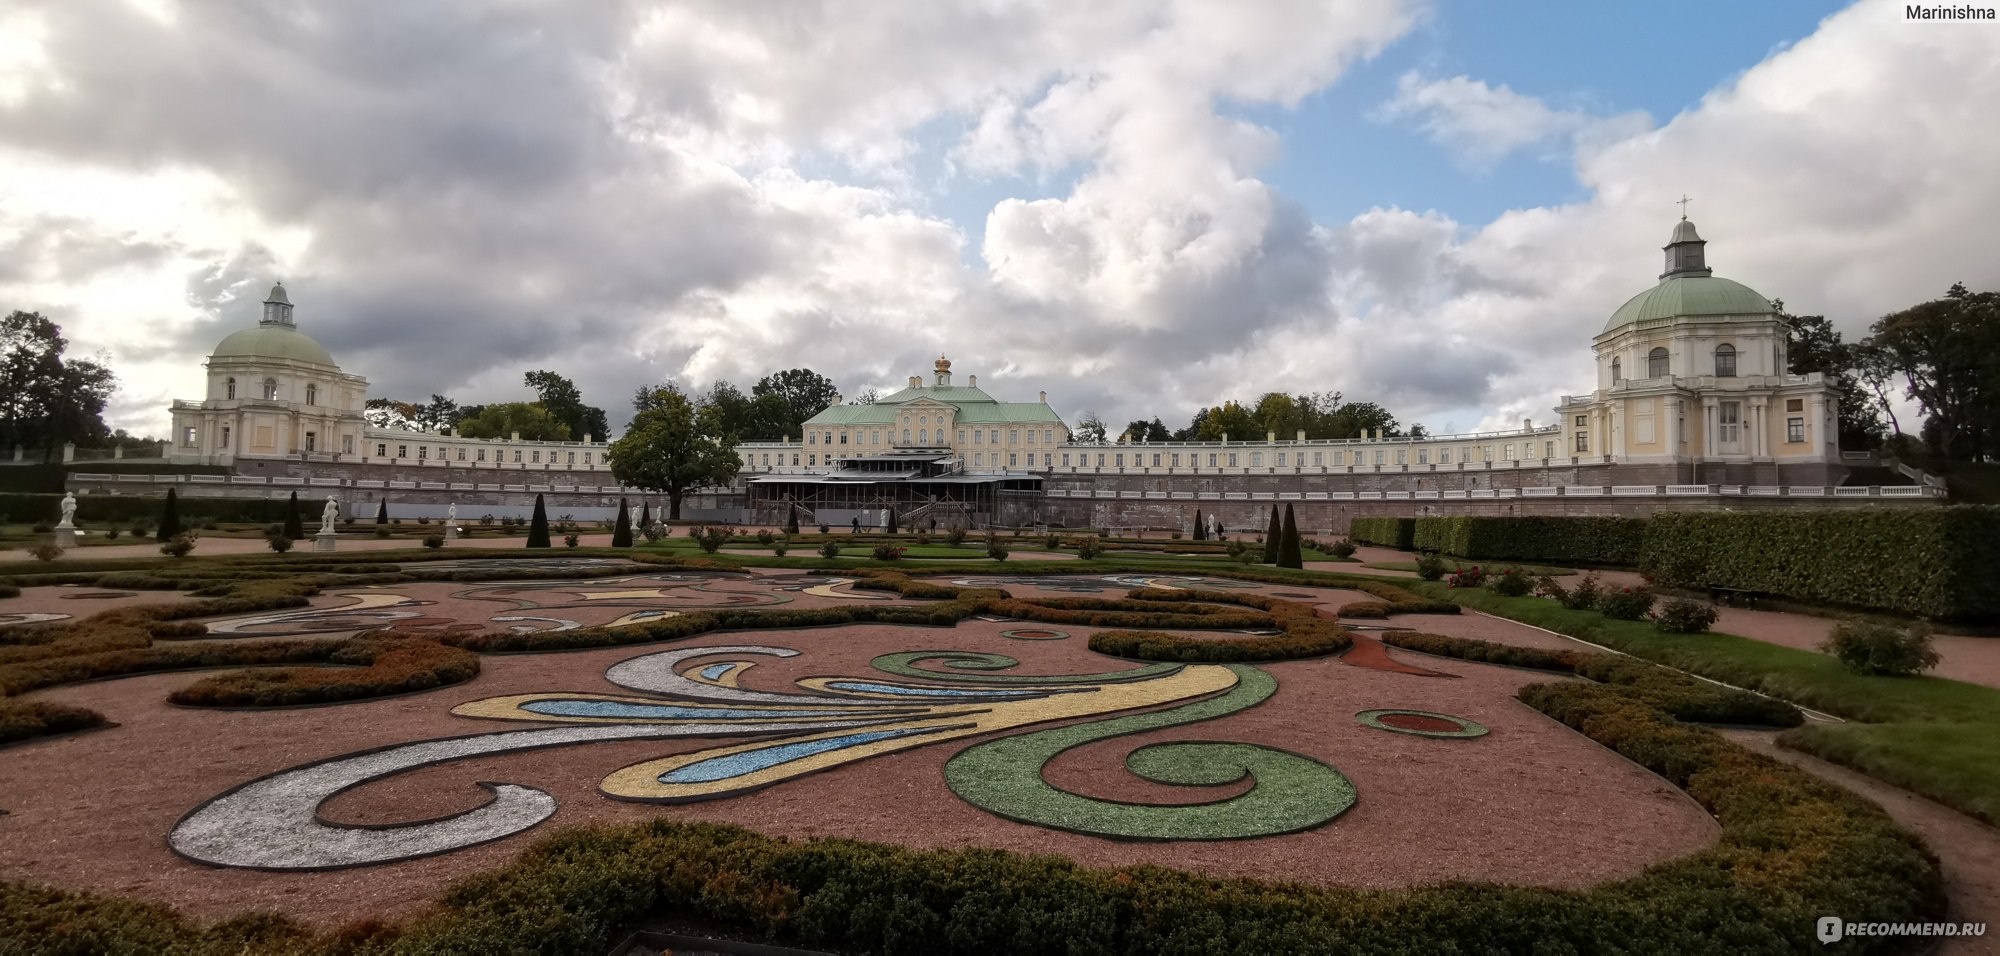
pixel 1935 563
pixel 1679 695
pixel 391 664
pixel 1566 540
pixel 1398 533
pixel 25 719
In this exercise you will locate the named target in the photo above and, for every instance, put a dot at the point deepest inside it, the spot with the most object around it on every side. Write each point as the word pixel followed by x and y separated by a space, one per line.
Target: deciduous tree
pixel 673 448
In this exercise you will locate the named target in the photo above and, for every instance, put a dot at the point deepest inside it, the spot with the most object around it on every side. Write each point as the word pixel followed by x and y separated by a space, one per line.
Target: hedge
pixel 1398 533
pixel 124 509
pixel 1682 696
pixel 1303 633
pixel 1932 562
pixel 391 663
pixel 1574 540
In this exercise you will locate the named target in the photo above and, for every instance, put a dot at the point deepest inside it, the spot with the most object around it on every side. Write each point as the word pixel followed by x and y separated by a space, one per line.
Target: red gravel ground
pixel 80 601
pixel 1530 803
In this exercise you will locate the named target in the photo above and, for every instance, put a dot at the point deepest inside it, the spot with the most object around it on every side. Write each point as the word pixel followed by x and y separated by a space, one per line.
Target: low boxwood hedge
pixel 1933 562
pixel 1303 633
pixel 22 719
pixel 383 664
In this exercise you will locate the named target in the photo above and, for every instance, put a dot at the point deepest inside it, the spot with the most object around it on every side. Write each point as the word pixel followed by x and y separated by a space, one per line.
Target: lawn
pixel 1458 564
pixel 1938 737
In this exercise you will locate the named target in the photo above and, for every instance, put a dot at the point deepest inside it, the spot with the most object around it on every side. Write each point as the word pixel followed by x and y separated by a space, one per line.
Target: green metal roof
pixel 273 341
pixel 1695 296
pixel 969 405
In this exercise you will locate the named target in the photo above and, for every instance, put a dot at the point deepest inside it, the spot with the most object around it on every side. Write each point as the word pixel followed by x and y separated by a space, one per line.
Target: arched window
pixel 1725 360
pixel 271 389
pixel 312 394
pixel 923 436
pixel 229 388
pixel 1656 363
pixel 906 436
pixel 1616 375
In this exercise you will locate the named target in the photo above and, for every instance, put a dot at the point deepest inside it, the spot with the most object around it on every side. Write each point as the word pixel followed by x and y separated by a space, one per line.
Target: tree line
pixel 1943 354
pixel 47 397
pixel 1320 415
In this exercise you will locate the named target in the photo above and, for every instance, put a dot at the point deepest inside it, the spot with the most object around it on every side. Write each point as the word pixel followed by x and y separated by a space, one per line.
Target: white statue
pixel 327 515
pixel 68 511
pixel 451 514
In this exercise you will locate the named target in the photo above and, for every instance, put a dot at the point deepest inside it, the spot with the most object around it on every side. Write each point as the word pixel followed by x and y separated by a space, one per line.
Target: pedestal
pixel 324 541
pixel 65 536
pixel 451 532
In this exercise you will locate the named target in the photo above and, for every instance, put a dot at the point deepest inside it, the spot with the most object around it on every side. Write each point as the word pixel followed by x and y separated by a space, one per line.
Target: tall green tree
pixel 565 403
pixel 1947 351
pixel 295 526
pixel 1230 419
pixel 532 420
pixel 621 533
pixel 1147 431
pixel 1290 553
pixel 47 398
pixel 803 392
pixel 1271 538
pixel 1812 344
pixel 673 448
pixel 1089 431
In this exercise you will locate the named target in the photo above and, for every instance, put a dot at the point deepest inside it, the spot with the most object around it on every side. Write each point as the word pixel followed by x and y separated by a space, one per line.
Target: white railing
pixel 1687 489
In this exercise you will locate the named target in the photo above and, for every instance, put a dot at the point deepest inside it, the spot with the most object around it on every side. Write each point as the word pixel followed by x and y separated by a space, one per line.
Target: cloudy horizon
pixel 1141 208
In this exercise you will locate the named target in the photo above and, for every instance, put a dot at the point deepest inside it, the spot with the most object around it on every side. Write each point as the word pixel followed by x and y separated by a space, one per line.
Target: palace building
pixel 1692 407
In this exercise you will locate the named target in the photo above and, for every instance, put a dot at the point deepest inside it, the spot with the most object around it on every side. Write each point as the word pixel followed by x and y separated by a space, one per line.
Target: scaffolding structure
pixel 917 488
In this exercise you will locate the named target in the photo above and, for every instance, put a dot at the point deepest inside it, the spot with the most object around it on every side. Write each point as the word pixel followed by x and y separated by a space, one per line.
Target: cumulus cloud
pixel 458 192
pixel 1483 124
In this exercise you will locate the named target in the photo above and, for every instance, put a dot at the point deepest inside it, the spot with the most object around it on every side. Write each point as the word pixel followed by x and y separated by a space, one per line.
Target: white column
pixel 1708 426
pixel 1672 408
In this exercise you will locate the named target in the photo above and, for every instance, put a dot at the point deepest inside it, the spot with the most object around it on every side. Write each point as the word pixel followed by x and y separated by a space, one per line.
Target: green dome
pixel 273 341
pixel 1699 296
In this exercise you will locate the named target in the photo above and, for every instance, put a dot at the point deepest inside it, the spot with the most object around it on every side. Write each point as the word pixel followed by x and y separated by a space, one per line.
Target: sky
pixel 1142 208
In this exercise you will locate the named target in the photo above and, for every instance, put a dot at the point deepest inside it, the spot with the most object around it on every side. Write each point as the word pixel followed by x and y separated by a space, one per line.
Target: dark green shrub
pixel 1547 586
pixel 995 549
pixel 829 549
pixel 1430 567
pixel 1931 562
pixel 1086 547
pixel 279 543
pixel 111 533
pixel 1472 577
pixel 382 512
pixel 538 527
pixel 179 546
pixel 274 530
pixel 1200 526
pixel 709 539
pixel 1881 649
pixel 1341 549
pixel 41 527
pixel 1510 582
pixel 1584 596
pixel 888 552
pixel 572 539
pixel 621 532
pixel 791 521
pixel 1682 616
pixel 45 552
pixel 1290 555
pixel 1625 604
pixel 170 519
pixel 765 538
pixel 294 523
pixel 780 546
pixel 433 541
pixel 956 535
pixel 1584 540
pixel 1272 536
pixel 381 531
pixel 1398 533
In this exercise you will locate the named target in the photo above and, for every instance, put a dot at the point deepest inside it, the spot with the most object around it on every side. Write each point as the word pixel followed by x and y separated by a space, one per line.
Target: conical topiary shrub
pixel 1200 527
pixel 621 533
pixel 295 526
pixel 891 529
pixel 538 529
pixel 791 519
pixel 1271 537
pixel 382 512
pixel 645 515
pixel 170 518
pixel 1289 554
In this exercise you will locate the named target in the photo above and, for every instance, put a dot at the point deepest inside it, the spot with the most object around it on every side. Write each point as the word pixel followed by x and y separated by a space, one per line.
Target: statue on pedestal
pixel 68 511
pixel 327 515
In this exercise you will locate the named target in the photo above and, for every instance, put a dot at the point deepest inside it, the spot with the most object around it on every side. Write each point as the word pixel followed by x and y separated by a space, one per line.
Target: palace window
pixel 1065 459
pixel 1174 461
pixel 1319 459
pixel 225 440
pixel 978 437
pixel 1795 404
pixel 346 442
pixel 1402 456
pixel 1795 430
pixel 843 438
pixel 1100 459
pixel 381 450
pixel 1232 459
pixel 1582 421
pixel 1725 360
pixel 1211 459
pixel 961 436
pixel 1582 441
pixel 1340 457
pixel 826 438
pixel 1423 456
pixel 1156 459
pixel 765 459
pixel 312 441
pixel 570 459
pixel 1119 460
pixel 1031 436
pixel 1616 376
pixel 1730 416
pixel 187 437
pixel 423 452
pixel 229 388
pixel 535 457
pixel 1281 459
pixel 312 394
pixel 1507 452
pixel 1013 436
pixel 1444 456
pixel 923 436
pixel 812 460
pixel 1256 459
pixel 461 454
pixel 906 436
pixel 402 451
pixel 271 389
pixel 875 437
pixel 1486 453
pixel 1656 363
pixel 993 435
pixel 1010 459
pixel 1048 435
pixel 517 456
pixel 479 454
pixel 1548 449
